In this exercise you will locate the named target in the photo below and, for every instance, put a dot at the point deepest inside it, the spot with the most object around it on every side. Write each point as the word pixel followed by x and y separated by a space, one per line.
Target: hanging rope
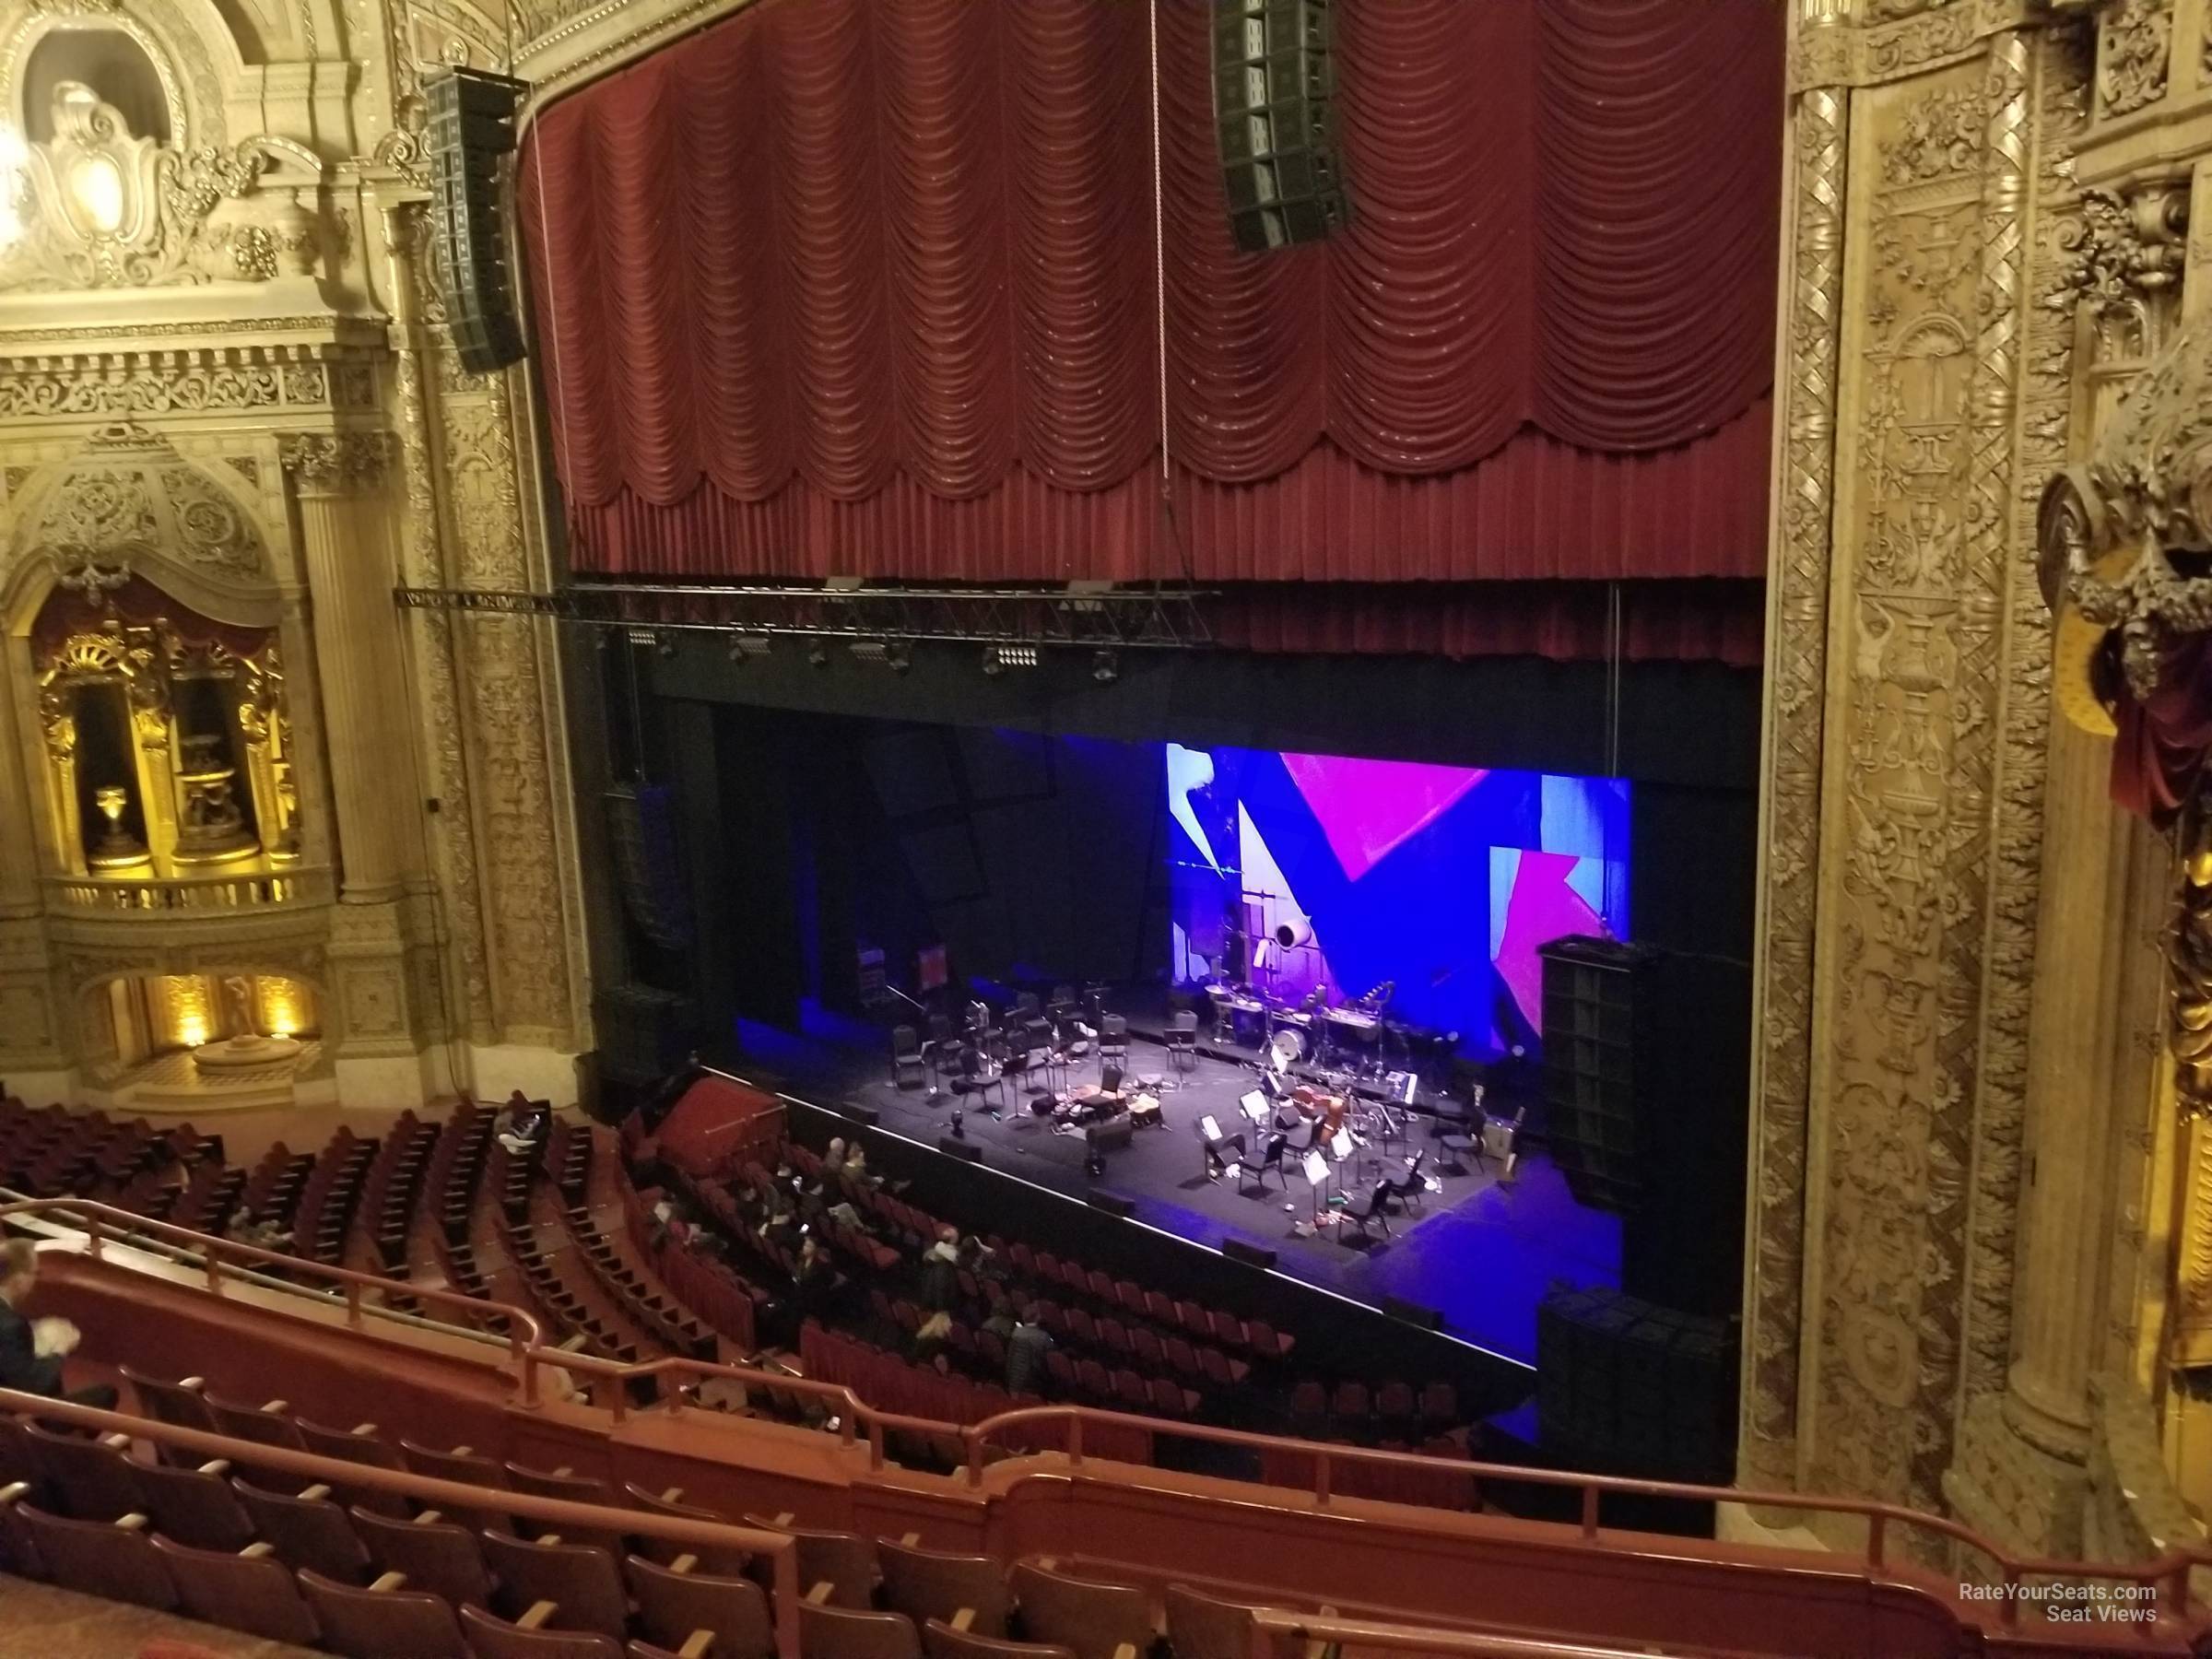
pixel 1160 305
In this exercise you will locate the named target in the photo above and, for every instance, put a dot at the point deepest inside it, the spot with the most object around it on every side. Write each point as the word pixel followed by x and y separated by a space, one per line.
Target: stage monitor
pixel 1352 876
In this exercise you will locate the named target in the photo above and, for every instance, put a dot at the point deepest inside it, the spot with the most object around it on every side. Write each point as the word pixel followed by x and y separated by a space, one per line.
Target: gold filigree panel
pixel 1929 791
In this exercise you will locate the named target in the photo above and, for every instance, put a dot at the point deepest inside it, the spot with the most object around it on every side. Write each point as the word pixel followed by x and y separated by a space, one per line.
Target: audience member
pixel 931 1339
pixel 941 1270
pixel 1026 1349
pixel 520 1126
pixel 833 1160
pixel 32 1350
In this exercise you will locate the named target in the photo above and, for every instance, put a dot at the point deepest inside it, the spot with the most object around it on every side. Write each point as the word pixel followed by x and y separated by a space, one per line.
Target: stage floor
pixel 1482 1252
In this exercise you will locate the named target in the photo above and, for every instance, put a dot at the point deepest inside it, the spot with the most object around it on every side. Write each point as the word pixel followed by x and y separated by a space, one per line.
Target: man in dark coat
pixel 31 1350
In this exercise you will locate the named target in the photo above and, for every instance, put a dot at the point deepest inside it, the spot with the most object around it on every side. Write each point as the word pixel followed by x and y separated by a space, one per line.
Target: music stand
pixel 1315 1167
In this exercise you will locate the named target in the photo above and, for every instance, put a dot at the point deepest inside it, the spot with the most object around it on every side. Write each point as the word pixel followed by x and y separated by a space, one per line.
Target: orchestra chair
pixel 1182 1041
pixel 909 1068
pixel 1372 1211
pixel 1113 1041
pixel 1252 1168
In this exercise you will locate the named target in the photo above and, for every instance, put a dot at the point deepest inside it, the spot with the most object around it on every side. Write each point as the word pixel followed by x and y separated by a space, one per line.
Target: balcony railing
pixel 151 896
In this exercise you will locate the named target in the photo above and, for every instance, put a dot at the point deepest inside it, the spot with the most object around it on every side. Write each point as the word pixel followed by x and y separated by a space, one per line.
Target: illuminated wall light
pixel 283 1004
pixel 189 1022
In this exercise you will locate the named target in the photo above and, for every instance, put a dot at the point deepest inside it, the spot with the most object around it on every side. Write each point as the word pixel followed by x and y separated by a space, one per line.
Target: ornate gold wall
pixel 242 277
pixel 1957 1218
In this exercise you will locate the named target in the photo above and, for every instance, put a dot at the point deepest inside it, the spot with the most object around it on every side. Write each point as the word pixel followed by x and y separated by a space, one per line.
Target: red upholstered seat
pixel 194 1506
pixel 114 1559
pixel 436 1556
pixel 246 1590
pixel 493 1638
pixel 580 1579
pixel 672 1605
pixel 376 1623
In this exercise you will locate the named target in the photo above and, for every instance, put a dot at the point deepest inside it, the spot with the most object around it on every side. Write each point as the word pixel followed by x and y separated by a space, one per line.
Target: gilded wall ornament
pixel 100 207
pixel 336 462
pixel 129 496
pixel 2133 38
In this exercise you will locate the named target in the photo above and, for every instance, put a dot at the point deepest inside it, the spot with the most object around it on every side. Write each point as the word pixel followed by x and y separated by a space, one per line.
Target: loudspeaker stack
pixel 471 127
pixel 1275 87
pixel 640 832
pixel 1601 1066
pixel 1628 1387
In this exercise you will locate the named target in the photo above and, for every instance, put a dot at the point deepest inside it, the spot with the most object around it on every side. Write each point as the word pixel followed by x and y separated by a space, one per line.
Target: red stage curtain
pixel 866 287
pixel 1567 621
pixel 2158 756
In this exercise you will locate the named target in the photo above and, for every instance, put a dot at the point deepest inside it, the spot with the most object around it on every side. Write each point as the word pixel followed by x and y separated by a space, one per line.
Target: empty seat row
pixel 374 1579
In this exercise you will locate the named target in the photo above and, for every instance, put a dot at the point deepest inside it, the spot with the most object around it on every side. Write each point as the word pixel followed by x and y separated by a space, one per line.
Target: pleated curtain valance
pixel 868 287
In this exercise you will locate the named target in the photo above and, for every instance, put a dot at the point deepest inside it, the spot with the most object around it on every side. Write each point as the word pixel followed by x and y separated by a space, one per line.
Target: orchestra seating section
pixel 564 1233
pixel 372 1575
pixel 440 1205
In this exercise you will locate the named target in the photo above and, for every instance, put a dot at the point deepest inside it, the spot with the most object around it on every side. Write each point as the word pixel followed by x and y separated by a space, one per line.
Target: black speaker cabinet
pixel 1627 1387
pixel 967 1151
pixel 1113 1204
pixel 1413 1313
pixel 1275 85
pixel 1252 1256
pixel 1602 1056
pixel 641 837
pixel 644 1033
pixel 470 128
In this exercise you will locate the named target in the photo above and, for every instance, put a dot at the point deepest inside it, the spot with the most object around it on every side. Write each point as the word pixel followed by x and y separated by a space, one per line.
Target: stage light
pixel 997 659
pixel 958 1133
pixel 870 651
pixel 1105 667
pixel 898 656
pixel 665 643
pixel 743 645
pixel 992 668
pixel 818 654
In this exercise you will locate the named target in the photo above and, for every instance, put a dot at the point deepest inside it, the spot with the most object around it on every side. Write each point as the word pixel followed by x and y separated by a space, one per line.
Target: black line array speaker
pixel 1275 88
pixel 649 868
pixel 1628 1387
pixel 1601 1066
pixel 471 127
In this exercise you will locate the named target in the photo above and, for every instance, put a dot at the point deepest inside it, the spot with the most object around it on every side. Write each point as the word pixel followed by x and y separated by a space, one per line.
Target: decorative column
pixel 349 580
pixel 375 1004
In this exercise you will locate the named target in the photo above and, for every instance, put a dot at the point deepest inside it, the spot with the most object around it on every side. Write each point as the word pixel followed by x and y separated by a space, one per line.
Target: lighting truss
pixel 1083 616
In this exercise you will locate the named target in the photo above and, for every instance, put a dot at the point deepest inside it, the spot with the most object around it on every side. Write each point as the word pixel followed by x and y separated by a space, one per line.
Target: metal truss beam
pixel 1125 619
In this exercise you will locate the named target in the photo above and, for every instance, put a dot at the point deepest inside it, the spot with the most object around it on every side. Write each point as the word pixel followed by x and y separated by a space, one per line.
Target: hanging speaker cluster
pixel 471 127
pixel 1275 88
